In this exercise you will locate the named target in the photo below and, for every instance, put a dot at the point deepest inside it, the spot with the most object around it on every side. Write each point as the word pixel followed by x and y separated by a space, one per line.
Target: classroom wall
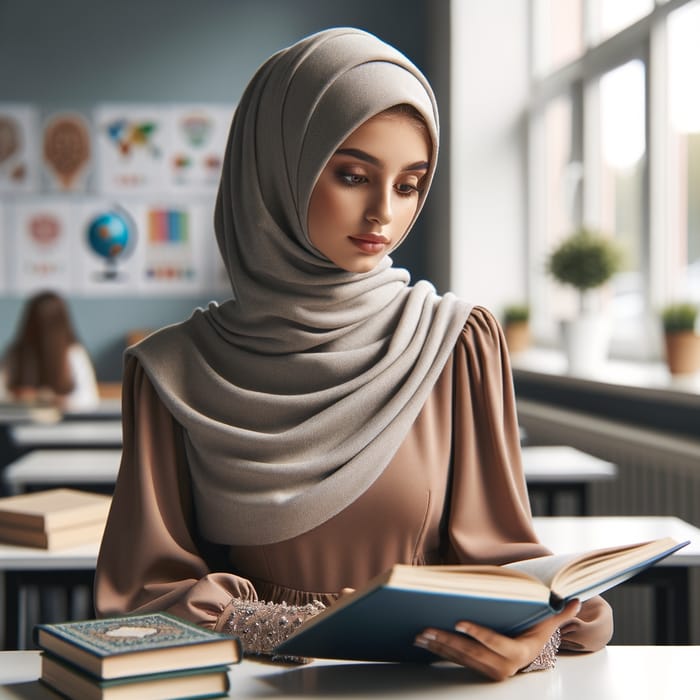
pixel 78 52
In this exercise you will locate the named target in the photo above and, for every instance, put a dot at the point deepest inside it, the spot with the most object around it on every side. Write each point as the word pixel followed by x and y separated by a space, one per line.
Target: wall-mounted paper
pixel 195 155
pixel 19 160
pixel 66 151
pixel 131 146
pixel 109 250
pixel 44 251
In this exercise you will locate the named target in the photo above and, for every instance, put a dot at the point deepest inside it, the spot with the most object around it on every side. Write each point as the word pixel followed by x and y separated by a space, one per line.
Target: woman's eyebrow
pixel 363 155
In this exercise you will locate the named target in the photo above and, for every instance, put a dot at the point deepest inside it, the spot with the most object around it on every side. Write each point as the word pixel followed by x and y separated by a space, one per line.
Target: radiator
pixel 659 474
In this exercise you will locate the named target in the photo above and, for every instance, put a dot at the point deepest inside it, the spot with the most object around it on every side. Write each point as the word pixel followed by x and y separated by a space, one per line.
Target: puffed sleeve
pixel 150 558
pixel 490 519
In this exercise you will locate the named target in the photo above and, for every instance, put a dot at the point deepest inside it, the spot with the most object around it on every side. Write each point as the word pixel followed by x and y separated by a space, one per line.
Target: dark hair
pixel 38 356
pixel 407 110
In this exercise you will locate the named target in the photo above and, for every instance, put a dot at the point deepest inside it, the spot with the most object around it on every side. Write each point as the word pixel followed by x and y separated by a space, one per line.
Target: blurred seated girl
pixel 45 363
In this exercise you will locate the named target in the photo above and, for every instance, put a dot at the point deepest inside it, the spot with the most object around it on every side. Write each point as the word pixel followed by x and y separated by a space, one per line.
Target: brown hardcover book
pixel 53 539
pixel 134 645
pixel 53 509
pixel 68 680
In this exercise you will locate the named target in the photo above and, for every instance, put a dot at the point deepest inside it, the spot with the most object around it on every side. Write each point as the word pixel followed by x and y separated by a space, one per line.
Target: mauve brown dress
pixel 453 493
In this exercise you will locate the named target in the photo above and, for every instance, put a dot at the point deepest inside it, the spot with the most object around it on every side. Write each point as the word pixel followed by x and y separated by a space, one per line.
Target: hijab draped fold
pixel 295 394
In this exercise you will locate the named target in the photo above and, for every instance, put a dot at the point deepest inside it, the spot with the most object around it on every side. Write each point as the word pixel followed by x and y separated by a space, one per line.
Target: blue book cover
pixel 380 621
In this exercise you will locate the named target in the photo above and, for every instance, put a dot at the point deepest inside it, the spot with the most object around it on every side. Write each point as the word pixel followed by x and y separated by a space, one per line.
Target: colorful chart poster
pixel 195 155
pixel 173 241
pixel 109 247
pixel 43 255
pixel 19 160
pixel 66 151
pixel 132 145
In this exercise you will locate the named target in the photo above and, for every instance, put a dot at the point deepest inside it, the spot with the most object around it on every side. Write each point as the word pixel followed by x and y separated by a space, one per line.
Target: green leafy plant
pixel 680 316
pixel 516 313
pixel 585 260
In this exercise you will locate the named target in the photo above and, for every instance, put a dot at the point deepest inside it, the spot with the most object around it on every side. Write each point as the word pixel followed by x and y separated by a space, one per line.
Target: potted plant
pixel 681 341
pixel 516 326
pixel 585 260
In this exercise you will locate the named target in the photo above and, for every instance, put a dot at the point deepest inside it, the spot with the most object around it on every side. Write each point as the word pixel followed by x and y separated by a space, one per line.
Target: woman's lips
pixel 370 244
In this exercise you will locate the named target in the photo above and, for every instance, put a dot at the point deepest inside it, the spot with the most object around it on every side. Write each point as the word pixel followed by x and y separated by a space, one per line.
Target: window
pixel 684 152
pixel 614 131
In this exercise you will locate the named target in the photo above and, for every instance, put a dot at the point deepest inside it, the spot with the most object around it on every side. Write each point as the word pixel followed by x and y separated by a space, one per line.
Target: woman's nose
pixel 379 207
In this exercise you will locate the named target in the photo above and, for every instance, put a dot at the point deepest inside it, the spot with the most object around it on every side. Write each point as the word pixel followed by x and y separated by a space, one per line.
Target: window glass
pixel 560 186
pixel 684 150
pixel 559 33
pixel 611 16
pixel 620 183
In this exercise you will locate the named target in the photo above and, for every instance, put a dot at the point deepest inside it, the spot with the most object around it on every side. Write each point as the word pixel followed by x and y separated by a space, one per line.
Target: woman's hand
pixel 495 655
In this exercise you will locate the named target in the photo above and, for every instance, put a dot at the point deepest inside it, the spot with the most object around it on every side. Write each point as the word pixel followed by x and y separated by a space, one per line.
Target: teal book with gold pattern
pixel 137 644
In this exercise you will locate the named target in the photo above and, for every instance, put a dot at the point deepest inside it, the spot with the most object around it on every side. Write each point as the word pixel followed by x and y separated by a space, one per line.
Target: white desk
pixel 71 433
pixel 555 469
pixel 62 467
pixel 615 673
pixel 669 578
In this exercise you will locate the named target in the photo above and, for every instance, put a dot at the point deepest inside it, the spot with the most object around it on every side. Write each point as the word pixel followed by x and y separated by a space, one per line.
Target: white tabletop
pixel 72 433
pixel 13 558
pixel 62 466
pixel 547 463
pixel 615 673
pixel 573 534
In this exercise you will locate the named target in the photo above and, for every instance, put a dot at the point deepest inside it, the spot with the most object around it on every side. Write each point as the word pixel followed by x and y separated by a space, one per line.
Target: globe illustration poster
pixel 111 235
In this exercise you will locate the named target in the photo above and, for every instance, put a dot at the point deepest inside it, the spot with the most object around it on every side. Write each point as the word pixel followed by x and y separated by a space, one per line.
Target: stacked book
pixel 54 518
pixel 147 657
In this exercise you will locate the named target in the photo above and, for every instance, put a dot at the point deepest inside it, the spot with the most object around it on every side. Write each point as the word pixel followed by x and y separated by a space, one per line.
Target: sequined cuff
pixel 547 658
pixel 262 626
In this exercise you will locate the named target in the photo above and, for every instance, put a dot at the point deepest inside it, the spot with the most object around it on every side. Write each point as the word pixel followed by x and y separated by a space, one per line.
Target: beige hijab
pixel 295 395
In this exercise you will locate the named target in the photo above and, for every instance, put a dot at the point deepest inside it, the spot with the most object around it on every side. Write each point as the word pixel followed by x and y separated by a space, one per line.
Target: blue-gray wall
pixel 77 52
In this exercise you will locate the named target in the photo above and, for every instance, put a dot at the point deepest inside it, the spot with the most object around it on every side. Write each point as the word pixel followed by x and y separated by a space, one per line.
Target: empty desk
pixel 79 468
pixel 552 470
pixel 73 433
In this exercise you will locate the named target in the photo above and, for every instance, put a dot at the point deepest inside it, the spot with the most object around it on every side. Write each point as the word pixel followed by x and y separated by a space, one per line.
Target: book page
pixel 544 568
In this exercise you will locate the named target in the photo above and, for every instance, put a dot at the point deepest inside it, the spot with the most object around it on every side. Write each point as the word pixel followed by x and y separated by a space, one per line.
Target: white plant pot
pixel 586 340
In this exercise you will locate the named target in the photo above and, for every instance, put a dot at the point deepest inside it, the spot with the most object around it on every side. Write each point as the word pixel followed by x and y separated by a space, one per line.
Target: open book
pixel 380 621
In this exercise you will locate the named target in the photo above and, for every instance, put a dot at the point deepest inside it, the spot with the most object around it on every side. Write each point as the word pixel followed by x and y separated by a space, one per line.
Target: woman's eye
pixel 406 188
pixel 352 178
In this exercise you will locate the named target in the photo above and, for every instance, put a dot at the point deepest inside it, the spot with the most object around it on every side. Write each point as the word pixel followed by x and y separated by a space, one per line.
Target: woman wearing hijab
pixel 331 419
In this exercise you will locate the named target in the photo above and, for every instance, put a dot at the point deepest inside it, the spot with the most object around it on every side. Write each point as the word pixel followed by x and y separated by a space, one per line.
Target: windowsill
pixel 648 381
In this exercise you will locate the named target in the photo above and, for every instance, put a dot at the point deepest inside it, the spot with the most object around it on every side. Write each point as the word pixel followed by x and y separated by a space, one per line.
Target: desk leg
pixel 13 607
pixel 671 602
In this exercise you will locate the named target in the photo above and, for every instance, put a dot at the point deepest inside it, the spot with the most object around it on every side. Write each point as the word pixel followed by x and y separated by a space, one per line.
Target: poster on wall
pixel 173 246
pixel 19 162
pixel 43 255
pixel 196 152
pixel 132 143
pixel 66 151
pixel 109 250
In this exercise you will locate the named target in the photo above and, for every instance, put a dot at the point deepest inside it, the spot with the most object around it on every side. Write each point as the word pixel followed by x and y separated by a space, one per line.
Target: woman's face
pixel 368 193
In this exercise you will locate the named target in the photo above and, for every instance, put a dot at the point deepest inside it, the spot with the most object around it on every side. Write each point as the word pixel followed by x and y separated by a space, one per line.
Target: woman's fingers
pixel 495 655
